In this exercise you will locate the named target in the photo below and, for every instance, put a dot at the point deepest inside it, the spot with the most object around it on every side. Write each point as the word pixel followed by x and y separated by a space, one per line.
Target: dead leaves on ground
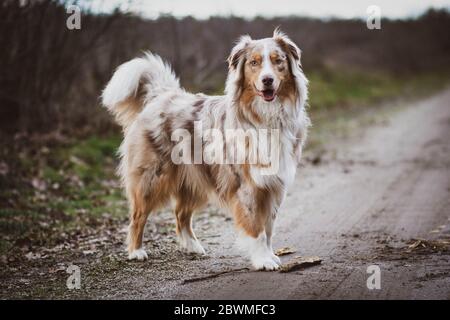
pixel 423 246
pixel 284 251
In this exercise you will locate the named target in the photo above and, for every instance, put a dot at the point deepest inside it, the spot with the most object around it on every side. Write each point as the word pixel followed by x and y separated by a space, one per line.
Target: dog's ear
pixel 238 52
pixel 288 46
pixel 236 62
pixel 294 54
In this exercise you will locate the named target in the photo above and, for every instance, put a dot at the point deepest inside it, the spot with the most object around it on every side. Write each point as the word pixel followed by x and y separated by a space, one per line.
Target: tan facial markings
pixel 256 62
pixel 262 61
pixel 253 69
pixel 280 64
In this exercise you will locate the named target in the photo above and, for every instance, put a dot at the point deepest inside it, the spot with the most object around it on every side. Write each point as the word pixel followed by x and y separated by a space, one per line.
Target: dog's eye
pixel 253 63
pixel 278 61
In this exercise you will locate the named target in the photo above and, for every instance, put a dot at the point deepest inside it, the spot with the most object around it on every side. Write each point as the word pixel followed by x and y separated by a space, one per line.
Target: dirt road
pixel 364 202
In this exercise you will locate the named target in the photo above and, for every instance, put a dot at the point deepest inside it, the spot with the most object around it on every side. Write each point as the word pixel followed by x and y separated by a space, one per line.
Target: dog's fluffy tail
pixel 135 83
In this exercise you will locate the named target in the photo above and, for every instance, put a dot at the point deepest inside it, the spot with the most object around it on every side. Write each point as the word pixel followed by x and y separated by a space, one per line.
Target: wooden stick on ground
pixel 214 275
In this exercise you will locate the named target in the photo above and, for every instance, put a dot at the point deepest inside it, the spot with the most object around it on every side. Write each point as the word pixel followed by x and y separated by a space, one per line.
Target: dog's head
pixel 266 69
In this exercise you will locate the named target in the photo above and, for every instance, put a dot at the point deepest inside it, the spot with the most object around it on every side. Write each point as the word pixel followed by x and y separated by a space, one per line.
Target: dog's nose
pixel 267 81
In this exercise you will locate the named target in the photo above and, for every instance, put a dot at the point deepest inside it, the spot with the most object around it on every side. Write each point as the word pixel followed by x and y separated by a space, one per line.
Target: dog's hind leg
pixel 138 218
pixel 186 236
pixel 146 195
pixel 186 204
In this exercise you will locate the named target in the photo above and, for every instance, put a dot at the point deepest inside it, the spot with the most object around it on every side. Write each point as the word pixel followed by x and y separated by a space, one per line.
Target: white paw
pixel 265 263
pixel 189 244
pixel 138 254
pixel 192 246
pixel 276 259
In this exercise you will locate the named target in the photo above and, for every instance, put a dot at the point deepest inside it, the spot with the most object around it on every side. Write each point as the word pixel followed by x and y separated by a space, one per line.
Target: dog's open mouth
pixel 268 94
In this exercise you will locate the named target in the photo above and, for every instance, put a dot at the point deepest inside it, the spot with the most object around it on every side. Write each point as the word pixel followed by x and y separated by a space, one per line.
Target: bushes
pixel 43 83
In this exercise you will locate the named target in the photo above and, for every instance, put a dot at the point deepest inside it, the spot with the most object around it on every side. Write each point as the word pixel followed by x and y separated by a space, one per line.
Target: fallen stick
pixel 295 264
pixel 214 275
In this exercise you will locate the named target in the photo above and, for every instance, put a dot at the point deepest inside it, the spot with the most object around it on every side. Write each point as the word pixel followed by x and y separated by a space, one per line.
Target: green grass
pixel 340 101
pixel 77 184
pixel 339 88
pixel 89 158
pixel 92 161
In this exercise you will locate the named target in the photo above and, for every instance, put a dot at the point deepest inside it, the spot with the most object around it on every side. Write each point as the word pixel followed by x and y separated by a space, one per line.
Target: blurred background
pixel 51 76
pixel 57 145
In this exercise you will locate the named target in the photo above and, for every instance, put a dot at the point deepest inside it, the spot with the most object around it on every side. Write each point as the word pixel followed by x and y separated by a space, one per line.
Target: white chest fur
pixel 283 164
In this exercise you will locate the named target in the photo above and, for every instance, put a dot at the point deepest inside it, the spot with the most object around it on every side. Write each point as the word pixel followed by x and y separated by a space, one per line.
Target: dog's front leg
pixel 261 257
pixel 269 233
pixel 255 217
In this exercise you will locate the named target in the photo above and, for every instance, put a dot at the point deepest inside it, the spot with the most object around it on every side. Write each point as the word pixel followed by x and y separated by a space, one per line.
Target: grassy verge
pixel 341 100
pixel 341 89
pixel 55 188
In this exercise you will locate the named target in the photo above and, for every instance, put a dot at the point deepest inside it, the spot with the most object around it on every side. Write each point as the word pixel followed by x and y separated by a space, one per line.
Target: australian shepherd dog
pixel 265 90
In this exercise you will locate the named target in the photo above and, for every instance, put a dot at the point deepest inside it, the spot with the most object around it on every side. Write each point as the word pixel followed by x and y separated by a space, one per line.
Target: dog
pixel 265 89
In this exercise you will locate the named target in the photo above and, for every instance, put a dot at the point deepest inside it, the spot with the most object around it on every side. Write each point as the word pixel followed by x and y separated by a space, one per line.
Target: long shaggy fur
pixel 145 97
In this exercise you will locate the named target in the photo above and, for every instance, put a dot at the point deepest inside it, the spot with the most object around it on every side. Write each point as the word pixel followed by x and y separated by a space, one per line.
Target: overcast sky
pixel 269 8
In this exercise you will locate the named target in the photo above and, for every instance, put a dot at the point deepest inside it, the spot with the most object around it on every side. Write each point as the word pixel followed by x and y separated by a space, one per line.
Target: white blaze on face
pixel 267 70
